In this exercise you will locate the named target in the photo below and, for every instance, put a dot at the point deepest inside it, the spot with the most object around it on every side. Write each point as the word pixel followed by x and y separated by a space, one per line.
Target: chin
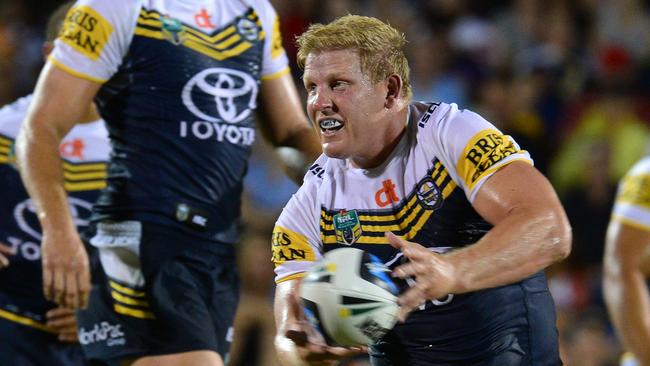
pixel 333 152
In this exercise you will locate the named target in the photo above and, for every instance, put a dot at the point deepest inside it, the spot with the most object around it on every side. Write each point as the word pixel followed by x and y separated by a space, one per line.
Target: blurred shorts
pixel 157 291
pixel 22 345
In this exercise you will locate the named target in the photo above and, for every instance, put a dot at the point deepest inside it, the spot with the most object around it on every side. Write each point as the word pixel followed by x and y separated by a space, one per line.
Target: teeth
pixel 330 124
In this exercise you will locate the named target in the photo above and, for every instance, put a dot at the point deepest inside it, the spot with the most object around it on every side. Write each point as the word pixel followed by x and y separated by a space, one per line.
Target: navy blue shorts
pixel 187 300
pixel 22 345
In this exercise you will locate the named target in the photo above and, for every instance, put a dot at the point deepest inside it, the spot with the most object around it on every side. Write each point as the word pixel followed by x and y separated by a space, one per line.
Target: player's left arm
pixel 531 231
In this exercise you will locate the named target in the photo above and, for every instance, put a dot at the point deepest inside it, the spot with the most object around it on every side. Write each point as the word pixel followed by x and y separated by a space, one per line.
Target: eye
pixel 339 84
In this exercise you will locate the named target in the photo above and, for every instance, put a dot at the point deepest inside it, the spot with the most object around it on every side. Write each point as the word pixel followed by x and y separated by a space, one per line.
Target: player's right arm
pixel 626 263
pixel 60 99
pixel 90 48
pixel 296 246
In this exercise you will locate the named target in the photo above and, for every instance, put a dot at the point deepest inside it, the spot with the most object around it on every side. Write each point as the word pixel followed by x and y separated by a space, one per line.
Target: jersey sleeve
pixel 296 243
pixel 275 61
pixel 632 203
pixel 95 37
pixel 471 148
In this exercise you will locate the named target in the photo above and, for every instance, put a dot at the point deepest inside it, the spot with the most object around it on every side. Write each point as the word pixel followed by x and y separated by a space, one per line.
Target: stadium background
pixel 569 79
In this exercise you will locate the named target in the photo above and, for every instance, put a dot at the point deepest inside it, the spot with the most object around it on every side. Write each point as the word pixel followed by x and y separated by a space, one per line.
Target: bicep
pixel 60 100
pixel 628 247
pixel 516 187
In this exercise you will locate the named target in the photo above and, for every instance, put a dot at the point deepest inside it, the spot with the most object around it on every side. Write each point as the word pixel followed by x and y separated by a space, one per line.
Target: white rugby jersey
pixel 97 33
pixel 423 192
pixel 632 204
pixel 84 148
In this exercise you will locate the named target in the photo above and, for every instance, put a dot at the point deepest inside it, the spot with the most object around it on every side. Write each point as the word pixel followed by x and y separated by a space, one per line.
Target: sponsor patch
pixel 288 245
pixel 347 227
pixel 86 31
pixel 483 153
pixel 635 190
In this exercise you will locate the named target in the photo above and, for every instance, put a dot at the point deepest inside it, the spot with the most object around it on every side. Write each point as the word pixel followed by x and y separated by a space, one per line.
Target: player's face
pixel 346 107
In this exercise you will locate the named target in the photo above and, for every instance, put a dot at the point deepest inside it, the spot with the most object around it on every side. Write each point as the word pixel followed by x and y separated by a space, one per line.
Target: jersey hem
pixel 631 222
pixel 24 321
pixel 73 72
pixel 276 75
pixel 291 277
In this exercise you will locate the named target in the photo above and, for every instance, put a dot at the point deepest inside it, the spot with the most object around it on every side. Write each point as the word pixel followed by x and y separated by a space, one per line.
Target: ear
pixel 394 90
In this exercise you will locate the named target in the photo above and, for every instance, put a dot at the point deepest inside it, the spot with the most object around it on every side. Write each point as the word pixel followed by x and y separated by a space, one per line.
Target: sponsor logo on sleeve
pixel 635 190
pixel 483 152
pixel 86 31
pixel 288 245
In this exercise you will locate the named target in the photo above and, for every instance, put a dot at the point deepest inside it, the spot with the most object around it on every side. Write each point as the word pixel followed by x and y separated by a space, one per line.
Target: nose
pixel 320 100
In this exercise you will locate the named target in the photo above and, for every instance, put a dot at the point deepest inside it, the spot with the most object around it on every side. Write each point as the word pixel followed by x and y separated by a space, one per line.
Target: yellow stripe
pixel 83 167
pixel 133 312
pixel 210 39
pixel 151 22
pixel 84 176
pixel 126 290
pixel 218 55
pixel 148 33
pixel 276 75
pixel 74 72
pixel 5 142
pixel 150 14
pixel 632 223
pixel 85 186
pixel 24 321
pixel 127 300
pixel 5 149
pixel 292 277
pixel 4 159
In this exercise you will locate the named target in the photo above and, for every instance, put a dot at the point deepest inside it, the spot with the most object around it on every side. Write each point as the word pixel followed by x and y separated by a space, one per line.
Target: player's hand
pixel 310 345
pixel 5 252
pixel 64 322
pixel 434 275
pixel 66 273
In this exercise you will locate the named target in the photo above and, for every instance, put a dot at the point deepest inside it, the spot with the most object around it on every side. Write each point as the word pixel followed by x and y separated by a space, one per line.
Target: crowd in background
pixel 568 79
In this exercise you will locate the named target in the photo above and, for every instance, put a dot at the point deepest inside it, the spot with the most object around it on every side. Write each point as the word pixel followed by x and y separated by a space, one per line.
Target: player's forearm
pixel 628 302
pixel 37 151
pixel 517 247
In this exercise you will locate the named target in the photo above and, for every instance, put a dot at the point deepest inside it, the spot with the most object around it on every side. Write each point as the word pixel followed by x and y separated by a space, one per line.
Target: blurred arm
pixel 626 293
pixel 59 101
pixel 285 124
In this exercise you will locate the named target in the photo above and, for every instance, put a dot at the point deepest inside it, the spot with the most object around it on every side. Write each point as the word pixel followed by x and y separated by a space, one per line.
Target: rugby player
pixel 443 197
pixel 177 83
pixel 33 330
pixel 627 264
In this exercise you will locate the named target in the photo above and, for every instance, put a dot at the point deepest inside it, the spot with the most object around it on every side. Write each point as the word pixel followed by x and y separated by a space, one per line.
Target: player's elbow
pixel 560 237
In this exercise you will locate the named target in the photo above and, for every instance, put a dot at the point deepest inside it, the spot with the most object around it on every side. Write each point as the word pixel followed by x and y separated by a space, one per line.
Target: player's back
pixel 179 94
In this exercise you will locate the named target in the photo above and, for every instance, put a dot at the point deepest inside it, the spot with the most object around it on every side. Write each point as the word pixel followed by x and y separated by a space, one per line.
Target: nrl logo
pixel 347 227
pixel 172 30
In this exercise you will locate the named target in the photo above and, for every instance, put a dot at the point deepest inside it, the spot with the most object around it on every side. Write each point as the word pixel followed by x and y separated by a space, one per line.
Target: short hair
pixel 380 46
pixel 55 21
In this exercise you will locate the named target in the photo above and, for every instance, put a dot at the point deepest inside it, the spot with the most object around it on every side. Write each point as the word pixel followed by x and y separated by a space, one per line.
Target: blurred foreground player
pixel 178 83
pixel 627 264
pixel 33 330
pixel 396 173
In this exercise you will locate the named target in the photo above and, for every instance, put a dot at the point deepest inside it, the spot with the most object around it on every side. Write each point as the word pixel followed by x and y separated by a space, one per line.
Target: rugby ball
pixel 349 297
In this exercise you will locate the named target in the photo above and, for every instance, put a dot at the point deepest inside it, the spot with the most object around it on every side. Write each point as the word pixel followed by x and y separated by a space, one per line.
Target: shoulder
pixel 12 116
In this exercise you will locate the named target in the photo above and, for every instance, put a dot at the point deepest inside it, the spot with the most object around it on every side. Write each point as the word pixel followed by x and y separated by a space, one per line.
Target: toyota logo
pixel 233 93
pixel 25 215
